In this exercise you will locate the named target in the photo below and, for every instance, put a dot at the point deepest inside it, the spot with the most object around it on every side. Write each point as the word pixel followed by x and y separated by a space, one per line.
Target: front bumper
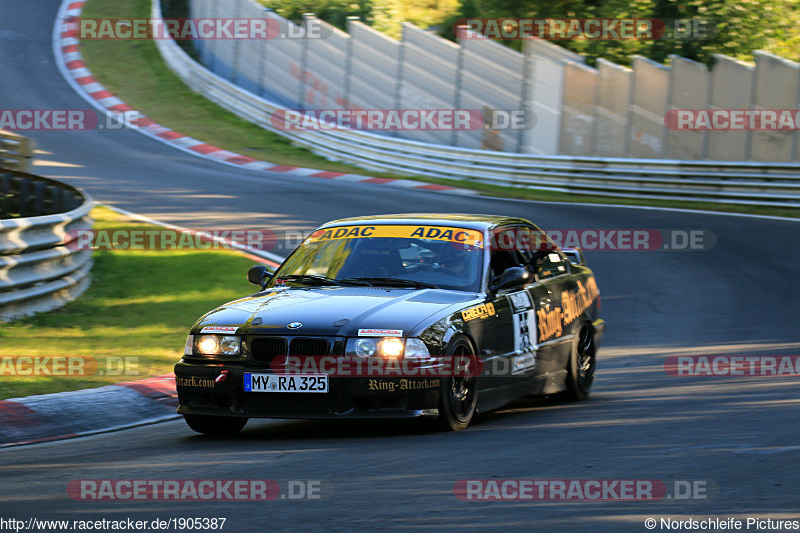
pixel 202 391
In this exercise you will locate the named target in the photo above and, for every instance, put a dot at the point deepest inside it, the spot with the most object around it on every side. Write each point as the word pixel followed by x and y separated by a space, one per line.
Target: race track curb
pixel 66 47
pixel 63 415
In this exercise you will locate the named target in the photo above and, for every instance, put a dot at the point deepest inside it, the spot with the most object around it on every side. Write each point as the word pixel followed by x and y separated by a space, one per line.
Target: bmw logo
pixel 295 325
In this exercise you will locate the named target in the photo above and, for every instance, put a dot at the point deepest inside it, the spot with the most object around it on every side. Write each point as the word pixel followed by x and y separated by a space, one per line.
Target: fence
pixel 38 272
pixel 608 111
pixel 775 184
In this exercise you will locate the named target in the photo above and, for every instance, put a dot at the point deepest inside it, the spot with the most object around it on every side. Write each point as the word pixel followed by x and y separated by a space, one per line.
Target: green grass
pixel 140 306
pixel 134 71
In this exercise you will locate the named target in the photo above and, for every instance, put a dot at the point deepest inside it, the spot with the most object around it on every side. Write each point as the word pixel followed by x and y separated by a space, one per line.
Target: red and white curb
pixel 64 415
pixel 69 60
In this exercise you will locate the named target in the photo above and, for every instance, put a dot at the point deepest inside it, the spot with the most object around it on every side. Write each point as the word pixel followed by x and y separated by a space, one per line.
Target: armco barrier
pixel 753 183
pixel 38 272
pixel 16 151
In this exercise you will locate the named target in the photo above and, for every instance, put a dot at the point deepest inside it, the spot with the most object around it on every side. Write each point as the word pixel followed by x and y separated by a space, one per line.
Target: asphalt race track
pixel 737 436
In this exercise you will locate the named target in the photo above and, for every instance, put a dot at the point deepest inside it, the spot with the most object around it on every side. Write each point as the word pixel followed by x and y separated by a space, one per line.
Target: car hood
pixel 333 311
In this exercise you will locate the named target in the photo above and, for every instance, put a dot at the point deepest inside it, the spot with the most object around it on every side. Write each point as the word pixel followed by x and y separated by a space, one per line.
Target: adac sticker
pixel 438 233
pixel 219 329
pixel 380 333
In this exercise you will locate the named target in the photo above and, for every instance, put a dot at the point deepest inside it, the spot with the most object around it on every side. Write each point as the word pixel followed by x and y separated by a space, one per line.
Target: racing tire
pixel 219 426
pixel 581 366
pixel 458 396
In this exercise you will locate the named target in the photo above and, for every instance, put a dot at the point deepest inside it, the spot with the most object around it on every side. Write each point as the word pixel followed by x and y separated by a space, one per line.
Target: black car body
pixel 439 315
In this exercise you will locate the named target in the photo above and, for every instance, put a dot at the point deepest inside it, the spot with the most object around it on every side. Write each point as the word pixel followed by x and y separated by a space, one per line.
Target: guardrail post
pixel 24 197
pixel 37 198
pixel 5 195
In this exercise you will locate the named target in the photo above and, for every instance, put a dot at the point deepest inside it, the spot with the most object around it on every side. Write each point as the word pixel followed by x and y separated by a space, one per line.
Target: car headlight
pixel 217 344
pixel 391 347
pixel 388 347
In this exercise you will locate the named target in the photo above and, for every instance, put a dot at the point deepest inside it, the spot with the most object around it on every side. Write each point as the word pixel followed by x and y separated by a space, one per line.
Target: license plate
pixel 285 383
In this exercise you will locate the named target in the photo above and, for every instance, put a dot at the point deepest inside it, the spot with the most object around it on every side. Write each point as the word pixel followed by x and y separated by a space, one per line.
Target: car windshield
pixel 396 256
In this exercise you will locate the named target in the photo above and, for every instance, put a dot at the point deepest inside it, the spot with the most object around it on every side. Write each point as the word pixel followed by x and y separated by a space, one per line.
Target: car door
pixel 515 334
pixel 552 271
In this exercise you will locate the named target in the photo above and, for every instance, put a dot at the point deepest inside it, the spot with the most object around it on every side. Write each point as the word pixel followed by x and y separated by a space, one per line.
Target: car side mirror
pixel 258 275
pixel 512 277
pixel 575 255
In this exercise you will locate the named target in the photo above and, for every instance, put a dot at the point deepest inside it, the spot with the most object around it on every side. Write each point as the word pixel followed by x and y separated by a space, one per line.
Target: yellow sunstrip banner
pixel 439 233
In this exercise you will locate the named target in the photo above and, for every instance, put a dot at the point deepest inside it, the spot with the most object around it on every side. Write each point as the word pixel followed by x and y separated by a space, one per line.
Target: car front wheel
pixel 581 367
pixel 459 394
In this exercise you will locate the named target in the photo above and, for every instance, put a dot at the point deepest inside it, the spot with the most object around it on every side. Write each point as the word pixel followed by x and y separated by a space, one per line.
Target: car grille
pixel 265 349
pixel 308 347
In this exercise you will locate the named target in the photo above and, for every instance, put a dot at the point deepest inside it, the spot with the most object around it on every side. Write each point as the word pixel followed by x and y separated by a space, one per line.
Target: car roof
pixel 457 220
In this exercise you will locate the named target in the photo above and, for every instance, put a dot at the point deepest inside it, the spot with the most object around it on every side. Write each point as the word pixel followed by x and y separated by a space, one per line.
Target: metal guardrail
pixel 38 271
pixel 16 151
pixel 748 183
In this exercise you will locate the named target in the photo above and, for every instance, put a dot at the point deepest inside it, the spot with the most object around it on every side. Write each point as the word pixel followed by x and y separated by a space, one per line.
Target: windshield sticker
pixel 438 233
pixel 380 333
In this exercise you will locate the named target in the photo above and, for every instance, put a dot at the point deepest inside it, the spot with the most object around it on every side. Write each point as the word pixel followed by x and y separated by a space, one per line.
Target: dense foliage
pixel 741 26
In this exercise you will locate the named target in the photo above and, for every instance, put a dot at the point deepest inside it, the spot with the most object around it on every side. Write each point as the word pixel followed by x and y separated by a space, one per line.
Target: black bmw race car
pixel 397 316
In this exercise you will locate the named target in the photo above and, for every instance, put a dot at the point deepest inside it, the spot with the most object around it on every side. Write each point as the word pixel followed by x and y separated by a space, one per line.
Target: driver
pixel 451 259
